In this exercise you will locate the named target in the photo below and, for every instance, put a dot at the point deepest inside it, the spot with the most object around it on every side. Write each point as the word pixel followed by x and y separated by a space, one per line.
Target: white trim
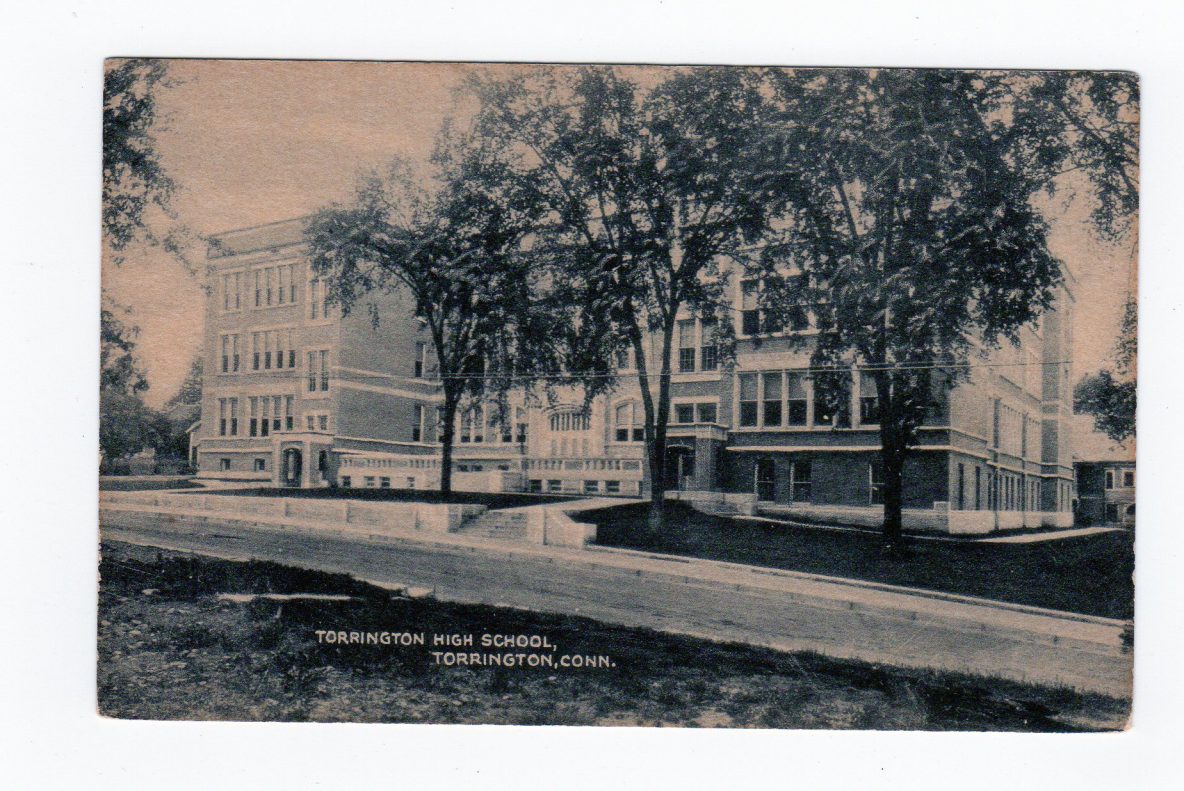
pixel 346 384
pixel 384 442
pixel 848 449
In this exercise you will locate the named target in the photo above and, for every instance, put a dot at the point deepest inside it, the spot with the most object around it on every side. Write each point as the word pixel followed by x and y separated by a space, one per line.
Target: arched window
pixel 627 420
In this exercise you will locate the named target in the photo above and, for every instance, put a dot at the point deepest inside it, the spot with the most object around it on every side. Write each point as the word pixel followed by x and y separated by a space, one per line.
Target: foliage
pixel 1112 398
pixel 1075 121
pixel 190 391
pixel 644 193
pixel 119 370
pixel 454 244
pixel 134 179
pixel 906 231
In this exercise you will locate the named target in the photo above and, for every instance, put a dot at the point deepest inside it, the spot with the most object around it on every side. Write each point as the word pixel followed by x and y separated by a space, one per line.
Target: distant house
pixel 1105 473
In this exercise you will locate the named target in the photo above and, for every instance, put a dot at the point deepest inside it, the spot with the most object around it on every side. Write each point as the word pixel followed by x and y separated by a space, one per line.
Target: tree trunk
pixel 659 425
pixel 892 454
pixel 447 436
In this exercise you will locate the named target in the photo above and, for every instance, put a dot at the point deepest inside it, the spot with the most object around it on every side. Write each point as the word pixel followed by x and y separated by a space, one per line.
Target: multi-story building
pixel 298 395
pixel 1105 473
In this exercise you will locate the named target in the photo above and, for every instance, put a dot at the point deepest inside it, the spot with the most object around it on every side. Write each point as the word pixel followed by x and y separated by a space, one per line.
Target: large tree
pixel 135 182
pixel 126 424
pixel 453 240
pixel 1112 396
pixel 645 193
pixel 914 230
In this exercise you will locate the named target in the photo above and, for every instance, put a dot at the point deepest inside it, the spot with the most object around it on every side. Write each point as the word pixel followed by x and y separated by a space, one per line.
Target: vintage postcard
pixel 698 396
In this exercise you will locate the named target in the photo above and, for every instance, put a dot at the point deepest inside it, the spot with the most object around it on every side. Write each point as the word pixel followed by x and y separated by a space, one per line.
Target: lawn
pixel 118 484
pixel 493 501
pixel 1089 574
pixel 170 649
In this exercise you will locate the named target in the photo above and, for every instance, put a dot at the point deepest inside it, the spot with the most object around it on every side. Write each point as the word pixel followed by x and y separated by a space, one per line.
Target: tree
pixel 190 391
pixel 644 193
pixel 907 229
pixel 1075 121
pixel 125 422
pixel 1111 397
pixel 454 243
pixel 134 180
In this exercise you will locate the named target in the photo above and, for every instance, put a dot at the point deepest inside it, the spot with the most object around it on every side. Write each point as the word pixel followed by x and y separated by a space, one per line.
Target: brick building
pixel 1105 472
pixel 297 395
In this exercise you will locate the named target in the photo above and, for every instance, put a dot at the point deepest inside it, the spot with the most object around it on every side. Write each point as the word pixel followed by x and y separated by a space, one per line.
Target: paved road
pixel 924 635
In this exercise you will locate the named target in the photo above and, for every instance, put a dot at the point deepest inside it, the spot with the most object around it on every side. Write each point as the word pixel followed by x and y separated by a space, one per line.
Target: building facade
pixel 296 395
pixel 1105 473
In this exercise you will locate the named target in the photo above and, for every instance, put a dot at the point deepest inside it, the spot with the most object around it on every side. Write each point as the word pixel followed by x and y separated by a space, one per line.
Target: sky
pixel 252 142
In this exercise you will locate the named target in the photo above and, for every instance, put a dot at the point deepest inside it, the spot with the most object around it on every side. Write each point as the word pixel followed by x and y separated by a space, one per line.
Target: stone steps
pixel 500 525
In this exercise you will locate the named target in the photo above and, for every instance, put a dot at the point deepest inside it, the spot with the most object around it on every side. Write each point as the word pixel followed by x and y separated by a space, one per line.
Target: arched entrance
pixel 293 465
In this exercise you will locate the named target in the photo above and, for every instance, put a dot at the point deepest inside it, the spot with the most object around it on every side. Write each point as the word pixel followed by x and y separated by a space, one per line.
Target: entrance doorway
pixel 293 464
pixel 680 466
pixel 765 480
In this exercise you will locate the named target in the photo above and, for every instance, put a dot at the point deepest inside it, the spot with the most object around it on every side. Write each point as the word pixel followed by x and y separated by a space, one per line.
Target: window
pixel 277 416
pixel 799 318
pixel 323 422
pixel 591 487
pixel 1109 479
pixel 796 393
pixel 256 350
pixel 961 487
pixel 264 415
pixel 260 465
pixel 748 399
pixel 684 413
pixel 875 480
pixel 612 487
pixel 225 354
pixel 570 421
pixel 223 416
pixel 223 464
pixel 323 356
pixel 268 278
pixel 384 482
pixel 346 481
pixel 1128 479
pixel 417 425
pixel 318 370
pixel 421 351
pixel 521 427
pixel 1111 512
pixel 978 487
pixel 258 288
pixel 233 417
pixel 289 413
pixel 750 315
pixel 707 413
pixel 623 359
pixel 799 481
pixel 554 486
pixel 232 285
pixel 708 353
pixel 254 422
pixel 686 346
pixel 869 400
pixel 318 299
pixel 629 427
pixel 284 278
pixel 471 426
pixel 772 399
pixel 369 479
pixel 535 486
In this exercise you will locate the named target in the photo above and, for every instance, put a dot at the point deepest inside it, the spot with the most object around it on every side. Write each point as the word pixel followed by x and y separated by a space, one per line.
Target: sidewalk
pixel 719 600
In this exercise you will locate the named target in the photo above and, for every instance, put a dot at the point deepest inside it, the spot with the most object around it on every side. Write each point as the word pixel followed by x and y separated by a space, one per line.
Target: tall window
pixel 771 398
pixel 289 412
pixel 628 422
pixel 256 350
pixel 799 318
pixel 869 400
pixel 1128 479
pixel 520 427
pixel 686 345
pixel 318 370
pixel 708 354
pixel 417 425
pixel 799 482
pixel 421 352
pixel 318 299
pixel 269 277
pixel 707 413
pixel 258 288
pixel 253 428
pixel 284 280
pixel 1109 479
pixel 472 426
pixel 277 417
pixel 223 416
pixel 748 399
pixel 232 291
pixel 978 487
pixel 623 360
pixel 684 413
pixel 312 372
pixel 961 487
pixel 225 354
pixel 875 481
pixel 750 315
pixel 264 415
pixel 796 394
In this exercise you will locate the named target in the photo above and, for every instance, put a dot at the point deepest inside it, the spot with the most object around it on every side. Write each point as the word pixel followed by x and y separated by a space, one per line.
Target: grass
pixel 493 501
pixel 1087 574
pixel 169 649
pixel 117 484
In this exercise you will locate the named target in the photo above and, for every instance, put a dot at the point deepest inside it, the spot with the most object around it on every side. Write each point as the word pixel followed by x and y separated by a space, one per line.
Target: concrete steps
pixel 503 525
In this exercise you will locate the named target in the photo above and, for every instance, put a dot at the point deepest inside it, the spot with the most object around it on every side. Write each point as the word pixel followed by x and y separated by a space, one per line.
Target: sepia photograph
pixel 618 395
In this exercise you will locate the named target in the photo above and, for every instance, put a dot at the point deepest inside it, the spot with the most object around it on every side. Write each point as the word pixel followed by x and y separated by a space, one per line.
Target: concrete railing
pixel 432 517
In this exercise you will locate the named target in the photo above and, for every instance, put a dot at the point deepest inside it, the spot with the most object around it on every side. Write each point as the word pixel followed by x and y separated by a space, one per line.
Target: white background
pixel 49 182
